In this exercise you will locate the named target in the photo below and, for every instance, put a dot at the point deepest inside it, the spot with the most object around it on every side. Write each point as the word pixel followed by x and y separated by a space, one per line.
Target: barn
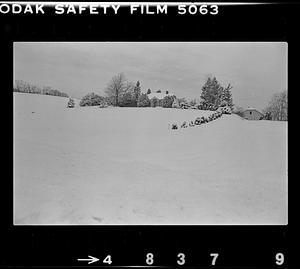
pixel 252 114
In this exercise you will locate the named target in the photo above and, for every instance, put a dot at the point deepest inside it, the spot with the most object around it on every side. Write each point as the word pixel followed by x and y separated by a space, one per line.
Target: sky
pixel 256 70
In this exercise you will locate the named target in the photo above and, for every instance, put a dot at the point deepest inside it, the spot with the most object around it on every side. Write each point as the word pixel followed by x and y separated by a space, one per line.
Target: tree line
pixel 123 93
pixel 26 87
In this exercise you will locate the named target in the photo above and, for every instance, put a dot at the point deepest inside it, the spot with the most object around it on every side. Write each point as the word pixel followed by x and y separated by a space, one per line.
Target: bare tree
pixel 277 107
pixel 116 87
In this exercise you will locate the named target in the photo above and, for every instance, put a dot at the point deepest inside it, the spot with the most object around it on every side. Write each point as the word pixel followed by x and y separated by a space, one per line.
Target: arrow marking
pixel 90 260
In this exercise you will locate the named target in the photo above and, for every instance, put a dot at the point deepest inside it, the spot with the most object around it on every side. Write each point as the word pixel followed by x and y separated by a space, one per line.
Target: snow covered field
pixel 88 165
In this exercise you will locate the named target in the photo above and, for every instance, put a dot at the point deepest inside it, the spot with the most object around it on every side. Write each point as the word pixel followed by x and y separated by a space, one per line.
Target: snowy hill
pixel 125 166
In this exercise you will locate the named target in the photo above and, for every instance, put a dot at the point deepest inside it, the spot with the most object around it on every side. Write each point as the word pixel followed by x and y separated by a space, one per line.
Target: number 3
pixel 181 260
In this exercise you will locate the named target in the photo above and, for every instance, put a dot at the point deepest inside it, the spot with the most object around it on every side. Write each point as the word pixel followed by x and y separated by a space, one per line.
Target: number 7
pixel 215 256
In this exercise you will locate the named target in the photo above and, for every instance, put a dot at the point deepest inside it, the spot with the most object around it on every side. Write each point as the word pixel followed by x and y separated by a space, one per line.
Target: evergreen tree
pixel 211 92
pixel 226 97
pixel 148 91
pixel 137 91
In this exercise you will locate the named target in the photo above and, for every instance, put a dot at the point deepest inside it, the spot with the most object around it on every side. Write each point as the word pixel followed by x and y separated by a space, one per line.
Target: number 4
pixel 107 259
pixel 215 256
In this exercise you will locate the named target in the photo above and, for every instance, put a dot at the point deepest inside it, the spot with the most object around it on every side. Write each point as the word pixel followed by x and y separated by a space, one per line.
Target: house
pixel 252 114
pixel 157 97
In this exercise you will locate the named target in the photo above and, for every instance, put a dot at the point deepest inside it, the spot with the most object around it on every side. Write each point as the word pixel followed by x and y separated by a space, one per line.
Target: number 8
pixel 149 259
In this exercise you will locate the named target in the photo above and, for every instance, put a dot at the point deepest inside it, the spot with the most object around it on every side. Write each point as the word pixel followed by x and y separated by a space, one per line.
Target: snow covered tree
pixel 116 87
pixel 127 98
pixel 154 102
pixel 137 91
pixel 226 97
pixel 211 92
pixel 143 100
pixel 167 101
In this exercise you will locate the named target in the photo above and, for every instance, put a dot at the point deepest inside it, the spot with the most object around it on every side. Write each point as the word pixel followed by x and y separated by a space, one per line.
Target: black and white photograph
pixel 150 133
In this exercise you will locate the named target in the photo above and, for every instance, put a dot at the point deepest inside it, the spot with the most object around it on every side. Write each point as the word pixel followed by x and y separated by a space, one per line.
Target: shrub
pixel 71 103
pixel 103 104
pixel 174 126
pixel 91 99
pixel 197 121
pixel 184 125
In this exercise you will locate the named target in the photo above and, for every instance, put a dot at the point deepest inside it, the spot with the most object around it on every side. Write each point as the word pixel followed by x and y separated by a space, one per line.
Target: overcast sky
pixel 255 70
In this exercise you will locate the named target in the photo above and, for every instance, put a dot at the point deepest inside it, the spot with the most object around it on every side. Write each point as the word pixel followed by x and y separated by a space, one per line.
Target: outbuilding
pixel 252 114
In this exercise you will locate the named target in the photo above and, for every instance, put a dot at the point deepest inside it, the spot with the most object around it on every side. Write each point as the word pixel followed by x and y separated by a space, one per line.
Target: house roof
pixel 159 95
pixel 252 108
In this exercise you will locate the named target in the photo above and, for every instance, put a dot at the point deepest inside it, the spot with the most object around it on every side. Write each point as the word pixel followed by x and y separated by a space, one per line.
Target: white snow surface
pixel 87 165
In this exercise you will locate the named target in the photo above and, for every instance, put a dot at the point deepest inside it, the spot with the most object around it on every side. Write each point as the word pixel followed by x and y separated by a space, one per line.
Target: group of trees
pixel 277 109
pixel 120 92
pixel 123 93
pixel 25 87
pixel 213 95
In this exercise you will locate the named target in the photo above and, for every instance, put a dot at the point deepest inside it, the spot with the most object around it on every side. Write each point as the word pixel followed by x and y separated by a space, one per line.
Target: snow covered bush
pixel 71 103
pixel 226 110
pixel 103 104
pixel 91 99
pixel 174 126
pixel 191 124
pixel 184 125
pixel 198 121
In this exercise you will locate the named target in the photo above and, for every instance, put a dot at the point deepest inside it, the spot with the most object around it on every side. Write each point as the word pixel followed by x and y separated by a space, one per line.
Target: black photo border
pixel 239 246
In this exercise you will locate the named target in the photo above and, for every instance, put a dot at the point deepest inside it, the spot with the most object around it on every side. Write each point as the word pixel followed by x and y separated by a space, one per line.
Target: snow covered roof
pixel 252 108
pixel 159 95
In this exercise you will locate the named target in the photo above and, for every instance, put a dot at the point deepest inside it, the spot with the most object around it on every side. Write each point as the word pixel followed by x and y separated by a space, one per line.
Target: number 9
pixel 279 259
